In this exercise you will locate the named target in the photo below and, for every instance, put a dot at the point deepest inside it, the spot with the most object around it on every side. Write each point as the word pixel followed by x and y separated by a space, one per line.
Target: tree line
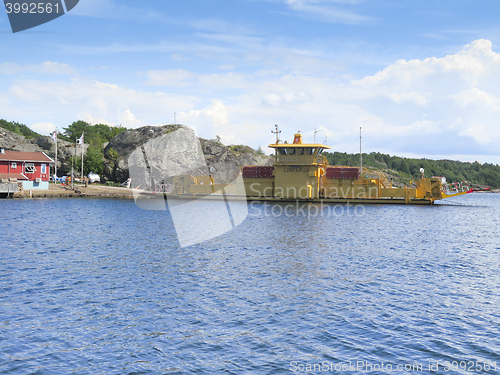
pixel 16 127
pixel 407 169
pixel 404 169
pixel 98 133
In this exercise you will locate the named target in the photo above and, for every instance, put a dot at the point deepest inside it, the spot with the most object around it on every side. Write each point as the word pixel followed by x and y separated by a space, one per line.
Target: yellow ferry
pixel 301 173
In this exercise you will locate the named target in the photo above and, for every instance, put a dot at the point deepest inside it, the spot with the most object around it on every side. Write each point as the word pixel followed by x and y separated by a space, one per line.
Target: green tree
pixel 112 155
pixel 18 128
pixel 76 129
pixel 94 158
pixel 217 140
pixel 99 132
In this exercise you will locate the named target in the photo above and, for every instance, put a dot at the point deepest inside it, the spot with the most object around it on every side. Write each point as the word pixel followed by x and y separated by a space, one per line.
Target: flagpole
pixel 72 168
pixel 55 167
pixel 82 155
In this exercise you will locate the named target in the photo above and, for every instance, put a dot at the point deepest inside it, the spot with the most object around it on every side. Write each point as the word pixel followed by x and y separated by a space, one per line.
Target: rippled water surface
pixel 103 287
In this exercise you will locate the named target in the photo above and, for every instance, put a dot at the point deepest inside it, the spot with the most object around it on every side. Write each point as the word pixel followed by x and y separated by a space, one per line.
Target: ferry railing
pixel 321 159
pixel 369 173
pixel 455 187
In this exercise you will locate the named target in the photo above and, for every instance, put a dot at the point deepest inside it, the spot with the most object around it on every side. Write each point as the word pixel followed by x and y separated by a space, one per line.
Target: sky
pixel 420 78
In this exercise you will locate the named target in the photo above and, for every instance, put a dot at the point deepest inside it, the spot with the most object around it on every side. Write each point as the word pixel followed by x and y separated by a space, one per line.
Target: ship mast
pixel 360 154
pixel 277 132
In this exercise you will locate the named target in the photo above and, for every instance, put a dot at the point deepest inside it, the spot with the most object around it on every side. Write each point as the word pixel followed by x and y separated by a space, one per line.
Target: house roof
pixel 20 156
pixel 19 176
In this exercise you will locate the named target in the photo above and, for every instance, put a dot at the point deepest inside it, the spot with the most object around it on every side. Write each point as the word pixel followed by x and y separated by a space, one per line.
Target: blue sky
pixel 420 77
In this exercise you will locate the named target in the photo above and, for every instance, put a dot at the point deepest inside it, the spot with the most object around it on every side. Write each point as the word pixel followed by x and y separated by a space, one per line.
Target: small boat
pixel 482 189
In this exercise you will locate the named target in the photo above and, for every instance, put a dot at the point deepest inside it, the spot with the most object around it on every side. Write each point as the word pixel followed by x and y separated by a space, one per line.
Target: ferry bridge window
pixel 291 151
pixel 282 150
pixel 300 151
pixel 310 150
pixel 320 151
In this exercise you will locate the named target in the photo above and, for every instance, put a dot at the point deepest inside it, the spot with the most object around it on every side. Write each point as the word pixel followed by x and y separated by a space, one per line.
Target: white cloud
pixel 206 119
pixel 48 67
pixel 249 42
pixel 205 82
pixel 400 97
pixel 43 127
pixel 288 99
pixel 63 102
pixel 475 60
pixel 115 10
pixel 475 96
pixel 128 119
pixel 435 106
pixel 225 81
pixel 170 78
pixel 480 133
pixel 455 96
pixel 85 116
pixel 178 57
pixel 322 11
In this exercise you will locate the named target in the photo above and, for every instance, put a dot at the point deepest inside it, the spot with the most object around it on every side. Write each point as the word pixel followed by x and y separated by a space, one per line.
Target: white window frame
pixel 43 168
pixel 13 165
pixel 31 167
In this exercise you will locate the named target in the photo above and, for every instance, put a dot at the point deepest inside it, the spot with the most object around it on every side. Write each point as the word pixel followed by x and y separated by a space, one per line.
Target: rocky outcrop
pixel 118 150
pixel 16 142
pixel 126 142
pixel 159 143
pixel 9 140
pixel 224 162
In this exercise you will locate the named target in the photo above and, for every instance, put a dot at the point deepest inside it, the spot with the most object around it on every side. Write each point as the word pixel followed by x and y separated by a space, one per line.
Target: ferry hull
pixel 326 201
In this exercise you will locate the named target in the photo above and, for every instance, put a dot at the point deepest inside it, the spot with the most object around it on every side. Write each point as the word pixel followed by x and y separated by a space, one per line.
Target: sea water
pixel 91 286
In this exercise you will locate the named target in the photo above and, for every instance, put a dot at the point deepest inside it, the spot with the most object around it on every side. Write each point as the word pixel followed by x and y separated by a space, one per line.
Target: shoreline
pixel 97 191
pixel 79 191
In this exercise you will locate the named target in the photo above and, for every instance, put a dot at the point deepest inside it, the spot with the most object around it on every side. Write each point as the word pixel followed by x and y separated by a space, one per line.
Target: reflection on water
pixel 101 286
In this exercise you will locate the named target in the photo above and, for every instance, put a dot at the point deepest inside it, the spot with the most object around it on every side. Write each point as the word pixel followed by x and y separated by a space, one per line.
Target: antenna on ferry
pixel 317 131
pixel 277 132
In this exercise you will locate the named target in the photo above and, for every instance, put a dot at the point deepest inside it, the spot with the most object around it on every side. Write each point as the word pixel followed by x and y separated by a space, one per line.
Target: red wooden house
pixel 30 168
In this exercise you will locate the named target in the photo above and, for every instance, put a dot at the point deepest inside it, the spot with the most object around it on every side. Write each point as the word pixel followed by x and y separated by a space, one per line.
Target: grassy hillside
pixel 404 170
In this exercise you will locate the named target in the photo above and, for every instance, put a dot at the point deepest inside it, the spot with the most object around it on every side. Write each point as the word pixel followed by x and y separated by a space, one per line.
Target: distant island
pixel 107 149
